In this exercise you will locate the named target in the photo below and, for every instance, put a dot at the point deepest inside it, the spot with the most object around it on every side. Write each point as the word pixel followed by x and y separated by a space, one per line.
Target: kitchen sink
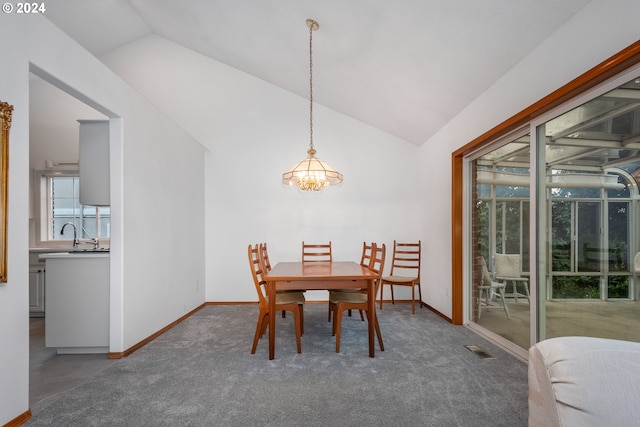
pixel 75 251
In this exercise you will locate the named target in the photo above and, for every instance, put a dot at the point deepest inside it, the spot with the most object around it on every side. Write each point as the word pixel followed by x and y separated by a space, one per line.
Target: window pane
pixel 561 235
pixel 484 190
pixel 512 227
pixel 576 287
pixel 63 187
pixel 499 228
pixel 483 228
pixel 590 250
pixel 64 206
pixel 619 193
pixel 104 226
pixel 618 287
pixel 87 224
pixel 619 236
pixel 525 236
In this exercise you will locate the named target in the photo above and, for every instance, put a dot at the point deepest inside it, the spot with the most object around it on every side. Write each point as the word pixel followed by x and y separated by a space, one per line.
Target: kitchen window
pixel 60 204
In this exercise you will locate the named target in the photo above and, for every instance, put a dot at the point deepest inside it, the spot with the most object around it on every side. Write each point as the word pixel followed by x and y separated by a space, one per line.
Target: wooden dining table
pixel 320 276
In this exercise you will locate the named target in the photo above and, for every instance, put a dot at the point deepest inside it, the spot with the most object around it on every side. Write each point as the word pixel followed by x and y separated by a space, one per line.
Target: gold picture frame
pixel 5 124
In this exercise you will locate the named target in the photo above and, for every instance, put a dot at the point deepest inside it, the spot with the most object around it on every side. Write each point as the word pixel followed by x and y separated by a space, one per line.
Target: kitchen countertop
pixel 44 250
pixel 78 254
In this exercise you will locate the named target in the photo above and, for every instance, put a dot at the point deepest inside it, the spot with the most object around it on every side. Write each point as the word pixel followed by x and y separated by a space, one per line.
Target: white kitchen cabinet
pixel 37 279
pixel 36 290
pixel 77 301
pixel 94 162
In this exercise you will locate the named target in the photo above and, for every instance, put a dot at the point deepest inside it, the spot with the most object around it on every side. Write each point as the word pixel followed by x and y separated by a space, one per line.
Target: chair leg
pixel 329 313
pixel 334 308
pixel 337 326
pixel 260 326
pixel 413 297
pixel 415 285
pixel 301 311
pixel 361 315
pixel 265 323
pixel 284 314
pixel 338 312
pixel 296 318
pixel 504 303
pixel 379 335
pixel 486 294
pixel 381 288
pixel 393 300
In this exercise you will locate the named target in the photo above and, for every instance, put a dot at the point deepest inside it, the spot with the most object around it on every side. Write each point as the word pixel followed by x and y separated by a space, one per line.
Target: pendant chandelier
pixel 311 174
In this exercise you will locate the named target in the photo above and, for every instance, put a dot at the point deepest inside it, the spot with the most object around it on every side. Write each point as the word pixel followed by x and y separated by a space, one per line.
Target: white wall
pixel 255 132
pixel 14 312
pixel 601 29
pixel 53 126
pixel 157 258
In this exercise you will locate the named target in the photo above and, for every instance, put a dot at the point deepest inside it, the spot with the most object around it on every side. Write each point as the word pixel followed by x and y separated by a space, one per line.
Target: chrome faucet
pixel 76 242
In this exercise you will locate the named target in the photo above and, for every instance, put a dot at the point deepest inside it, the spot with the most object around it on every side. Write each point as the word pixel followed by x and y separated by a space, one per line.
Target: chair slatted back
pixel 377 262
pixel 508 265
pixel 377 258
pixel 257 269
pixel 406 259
pixel 367 252
pixel 265 257
pixel 316 252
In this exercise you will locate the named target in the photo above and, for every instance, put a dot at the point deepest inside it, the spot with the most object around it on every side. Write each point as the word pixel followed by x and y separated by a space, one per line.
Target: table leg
pixel 271 292
pixel 371 316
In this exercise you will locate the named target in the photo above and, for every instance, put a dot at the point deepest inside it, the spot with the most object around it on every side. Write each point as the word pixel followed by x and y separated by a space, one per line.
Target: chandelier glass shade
pixel 311 174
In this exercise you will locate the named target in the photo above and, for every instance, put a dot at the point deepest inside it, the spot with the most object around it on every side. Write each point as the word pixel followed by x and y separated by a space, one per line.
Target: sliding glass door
pixel 591 158
pixel 500 225
pixel 570 196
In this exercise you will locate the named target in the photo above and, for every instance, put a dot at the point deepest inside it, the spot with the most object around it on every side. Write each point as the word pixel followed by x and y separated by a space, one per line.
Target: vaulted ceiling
pixel 406 67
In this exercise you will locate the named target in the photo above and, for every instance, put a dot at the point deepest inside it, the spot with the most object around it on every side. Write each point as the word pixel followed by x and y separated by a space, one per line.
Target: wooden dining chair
pixel 341 301
pixel 365 261
pixel 508 270
pixel 489 290
pixel 290 301
pixel 264 253
pixel 367 254
pixel 316 252
pixel 405 271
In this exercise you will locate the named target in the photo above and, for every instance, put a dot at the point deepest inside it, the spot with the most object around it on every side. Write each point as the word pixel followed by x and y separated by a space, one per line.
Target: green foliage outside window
pixel 576 287
pixel 618 287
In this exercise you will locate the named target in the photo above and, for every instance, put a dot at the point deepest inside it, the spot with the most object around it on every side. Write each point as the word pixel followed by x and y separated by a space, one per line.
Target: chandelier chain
pixel 311 174
pixel 311 87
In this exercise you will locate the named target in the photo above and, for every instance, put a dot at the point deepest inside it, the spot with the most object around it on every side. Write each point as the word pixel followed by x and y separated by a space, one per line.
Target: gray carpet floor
pixel 201 373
